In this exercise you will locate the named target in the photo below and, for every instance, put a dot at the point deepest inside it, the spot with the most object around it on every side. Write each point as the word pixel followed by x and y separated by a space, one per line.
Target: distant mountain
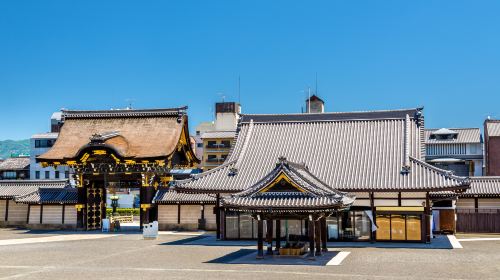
pixel 14 147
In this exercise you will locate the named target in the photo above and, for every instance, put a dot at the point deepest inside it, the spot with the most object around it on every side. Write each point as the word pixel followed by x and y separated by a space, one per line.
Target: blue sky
pixel 368 55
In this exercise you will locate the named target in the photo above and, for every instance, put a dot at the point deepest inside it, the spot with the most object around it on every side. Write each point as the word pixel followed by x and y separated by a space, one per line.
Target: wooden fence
pixel 478 220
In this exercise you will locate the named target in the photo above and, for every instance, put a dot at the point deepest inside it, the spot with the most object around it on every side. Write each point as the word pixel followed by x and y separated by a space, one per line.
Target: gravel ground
pixel 129 257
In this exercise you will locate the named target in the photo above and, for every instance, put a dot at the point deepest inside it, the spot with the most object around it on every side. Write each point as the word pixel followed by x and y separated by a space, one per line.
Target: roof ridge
pixel 338 113
pixel 447 173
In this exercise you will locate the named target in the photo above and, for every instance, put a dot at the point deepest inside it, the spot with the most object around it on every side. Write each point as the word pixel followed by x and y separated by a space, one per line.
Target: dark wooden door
pixel 94 208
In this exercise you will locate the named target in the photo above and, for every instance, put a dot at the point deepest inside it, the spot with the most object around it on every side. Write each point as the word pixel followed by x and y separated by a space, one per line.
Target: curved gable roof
pixel 131 133
pixel 354 151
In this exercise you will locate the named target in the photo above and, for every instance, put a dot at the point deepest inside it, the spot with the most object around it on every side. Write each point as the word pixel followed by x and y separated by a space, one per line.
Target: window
pixel 37 143
pixel 56 174
pixel 226 144
pixel 66 174
pixel 37 174
pixel 9 174
pixel 211 158
pixel 211 144
pixel 199 145
pixel 399 227
pixel 44 143
pixel 47 174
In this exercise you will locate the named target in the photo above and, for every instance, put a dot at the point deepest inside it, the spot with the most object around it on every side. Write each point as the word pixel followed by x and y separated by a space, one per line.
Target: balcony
pixel 218 146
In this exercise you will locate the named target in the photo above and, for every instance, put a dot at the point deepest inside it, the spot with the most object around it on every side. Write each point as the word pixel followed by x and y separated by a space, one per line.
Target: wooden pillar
pixel 476 204
pixel 311 239
pixel 318 240
pixel 82 203
pixel 428 218
pixel 28 216
pixel 217 215
pixel 260 243
pixel 7 210
pixel 178 213
pixel 41 213
pixel 324 235
pixel 372 206
pixel 63 213
pixel 269 237
pixel 278 236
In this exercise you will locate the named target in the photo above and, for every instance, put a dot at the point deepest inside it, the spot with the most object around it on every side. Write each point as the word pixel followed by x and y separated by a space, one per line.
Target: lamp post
pixel 114 203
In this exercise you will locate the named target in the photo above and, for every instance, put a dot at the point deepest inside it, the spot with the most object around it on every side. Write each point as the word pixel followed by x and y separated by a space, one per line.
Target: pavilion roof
pixel 303 192
pixel 352 151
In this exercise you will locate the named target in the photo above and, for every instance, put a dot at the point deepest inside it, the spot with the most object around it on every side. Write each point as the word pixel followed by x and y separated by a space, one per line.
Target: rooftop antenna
pixel 309 101
pixel 239 88
pixel 222 95
pixel 316 90
pixel 129 101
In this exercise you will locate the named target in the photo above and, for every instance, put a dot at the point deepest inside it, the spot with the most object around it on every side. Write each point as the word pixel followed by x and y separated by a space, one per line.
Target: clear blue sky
pixel 444 55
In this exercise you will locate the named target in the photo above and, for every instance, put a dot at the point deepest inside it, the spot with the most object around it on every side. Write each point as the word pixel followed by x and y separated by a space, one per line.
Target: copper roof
pixel 18 163
pixel 464 135
pixel 313 194
pixel 13 188
pixel 50 196
pixel 354 151
pixel 131 133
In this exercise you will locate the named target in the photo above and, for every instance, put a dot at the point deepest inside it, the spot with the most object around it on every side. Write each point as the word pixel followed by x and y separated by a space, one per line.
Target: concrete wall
pixel 189 215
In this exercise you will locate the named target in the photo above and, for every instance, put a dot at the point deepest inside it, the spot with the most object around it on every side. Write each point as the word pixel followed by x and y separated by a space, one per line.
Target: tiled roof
pixel 312 195
pixel 130 133
pixel 50 196
pixel 492 128
pixel 483 186
pixel 166 196
pixel 18 163
pixel 465 135
pixel 348 151
pixel 218 134
pixel 13 188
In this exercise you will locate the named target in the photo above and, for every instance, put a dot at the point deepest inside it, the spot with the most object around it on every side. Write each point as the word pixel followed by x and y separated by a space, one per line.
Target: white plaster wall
pixel 17 212
pixel 70 214
pixel 167 214
pixel 52 214
pixel 492 203
pixel 413 202
pixel 34 215
pixel 385 202
pixel 465 203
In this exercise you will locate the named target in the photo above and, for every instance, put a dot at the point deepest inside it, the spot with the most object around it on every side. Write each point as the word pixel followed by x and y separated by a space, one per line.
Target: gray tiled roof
pixel 166 196
pixel 465 136
pixel 492 128
pixel 348 151
pixel 50 196
pixel 483 186
pixel 13 188
pixel 314 193
pixel 18 163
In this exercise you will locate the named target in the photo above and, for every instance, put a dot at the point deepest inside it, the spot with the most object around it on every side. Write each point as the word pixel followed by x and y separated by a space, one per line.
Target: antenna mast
pixel 239 90
pixel 309 101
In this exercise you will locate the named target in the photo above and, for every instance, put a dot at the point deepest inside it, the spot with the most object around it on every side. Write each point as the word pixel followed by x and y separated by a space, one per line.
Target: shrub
pixel 123 211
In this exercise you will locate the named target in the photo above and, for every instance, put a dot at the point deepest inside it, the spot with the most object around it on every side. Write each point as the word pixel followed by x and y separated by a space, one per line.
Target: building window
pixel 47 174
pixel 9 174
pixel 226 144
pixel 37 174
pixel 37 143
pixel 211 158
pixel 399 227
pixel 211 144
pixel 44 143
pixel 66 174
pixel 199 145
pixel 56 174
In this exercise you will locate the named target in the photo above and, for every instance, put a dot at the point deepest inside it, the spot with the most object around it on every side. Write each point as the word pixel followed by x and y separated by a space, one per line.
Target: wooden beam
pixel 372 206
pixel 324 235
pixel 41 213
pixel 278 236
pixel 260 243
pixel 311 239
pixel 318 234
pixel 269 237
pixel 63 212
pixel 7 210
pixel 427 218
pixel 217 215
pixel 178 214
pixel 28 215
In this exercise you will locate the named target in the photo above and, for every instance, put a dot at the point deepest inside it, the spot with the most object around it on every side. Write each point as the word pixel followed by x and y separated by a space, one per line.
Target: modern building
pixel 15 168
pixel 492 147
pixel 378 157
pixel 214 139
pixel 456 149
pixel 40 144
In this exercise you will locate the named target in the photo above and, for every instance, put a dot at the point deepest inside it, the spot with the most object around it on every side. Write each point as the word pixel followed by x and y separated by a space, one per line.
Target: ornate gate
pixel 94 208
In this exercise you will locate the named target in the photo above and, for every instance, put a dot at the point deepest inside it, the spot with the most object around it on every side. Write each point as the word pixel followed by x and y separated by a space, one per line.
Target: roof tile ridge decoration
pixel 406 153
pixel 161 112
pixel 241 155
pixel 447 173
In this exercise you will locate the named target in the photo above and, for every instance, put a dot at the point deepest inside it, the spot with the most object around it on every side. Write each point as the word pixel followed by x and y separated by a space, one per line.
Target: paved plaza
pixel 80 255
